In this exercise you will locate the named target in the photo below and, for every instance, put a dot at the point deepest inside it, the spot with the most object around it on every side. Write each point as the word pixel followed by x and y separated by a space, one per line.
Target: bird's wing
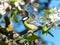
pixel 34 22
pixel 30 26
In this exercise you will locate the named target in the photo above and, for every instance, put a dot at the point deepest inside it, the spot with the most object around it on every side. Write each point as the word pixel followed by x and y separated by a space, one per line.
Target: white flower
pixel 3 7
pixel 35 9
pixel 54 17
pixel 55 10
pixel 2 11
pixel 59 10
pixel 17 5
pixel 21 2
pixel 6 5
pixel 31 1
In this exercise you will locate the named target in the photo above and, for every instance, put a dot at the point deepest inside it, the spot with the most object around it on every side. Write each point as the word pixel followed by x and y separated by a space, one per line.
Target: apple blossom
pixel 31 1
pixel 17 5
pixel 21 2
pixel 36 41
pixel 55 16
pixel 3 7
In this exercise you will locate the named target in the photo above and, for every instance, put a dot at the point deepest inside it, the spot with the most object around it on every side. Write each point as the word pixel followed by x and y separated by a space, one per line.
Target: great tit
pixel 29 25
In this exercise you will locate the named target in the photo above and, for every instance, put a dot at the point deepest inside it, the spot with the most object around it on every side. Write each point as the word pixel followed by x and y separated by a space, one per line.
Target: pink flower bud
pixel 8 9
pixel 36 41
pixel 23 13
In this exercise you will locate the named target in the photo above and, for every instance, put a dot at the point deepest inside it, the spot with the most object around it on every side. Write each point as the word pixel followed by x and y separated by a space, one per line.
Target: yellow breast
pixel 9 28
pixel 30 26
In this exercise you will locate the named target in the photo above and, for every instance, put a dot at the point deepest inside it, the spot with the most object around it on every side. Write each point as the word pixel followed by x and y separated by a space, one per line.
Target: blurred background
pixel 48 39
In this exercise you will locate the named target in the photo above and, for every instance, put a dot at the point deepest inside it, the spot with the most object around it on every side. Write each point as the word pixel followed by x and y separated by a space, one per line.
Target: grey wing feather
pixel 34 22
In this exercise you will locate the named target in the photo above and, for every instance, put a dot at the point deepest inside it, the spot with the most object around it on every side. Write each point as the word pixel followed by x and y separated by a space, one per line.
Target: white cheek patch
pixel 25 18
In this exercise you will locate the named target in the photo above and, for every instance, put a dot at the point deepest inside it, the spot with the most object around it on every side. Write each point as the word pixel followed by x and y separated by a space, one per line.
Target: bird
pixel 8 23
pixel 8 29
pixel 31 24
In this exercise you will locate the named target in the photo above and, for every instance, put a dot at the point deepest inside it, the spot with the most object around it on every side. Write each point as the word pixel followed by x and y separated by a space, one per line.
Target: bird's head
pixel 28 19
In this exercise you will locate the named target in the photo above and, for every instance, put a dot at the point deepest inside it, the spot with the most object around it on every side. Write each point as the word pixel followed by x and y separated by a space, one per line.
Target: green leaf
pixel 42 18
pixel 0 16
pixel 51 10
pixel 16 19
pixel 14 12
pixel 44 33
pixel 43 44
pixel 48 11
pixel 12 1
pixel 45 28
pixel 32 38
pixel 3 43
pixel 14 15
